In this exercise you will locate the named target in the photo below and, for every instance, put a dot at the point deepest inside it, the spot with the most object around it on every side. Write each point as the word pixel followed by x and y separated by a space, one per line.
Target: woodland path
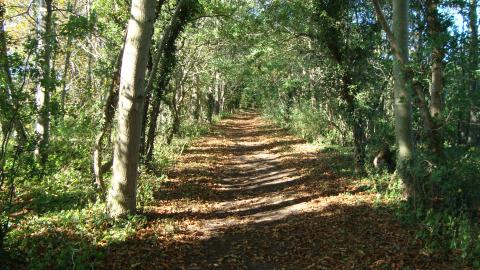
pixel 250 196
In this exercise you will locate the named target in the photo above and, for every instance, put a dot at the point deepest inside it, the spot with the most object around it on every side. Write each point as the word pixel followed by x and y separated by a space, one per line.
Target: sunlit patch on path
pixel 251 196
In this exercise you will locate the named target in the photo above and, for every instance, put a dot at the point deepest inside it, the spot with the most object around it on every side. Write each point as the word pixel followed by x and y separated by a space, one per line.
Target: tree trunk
pixel 166 52
pixel 68 54
pixel 196 101
pixel 107 118
pixel 148 97
pixel 216 94
pixel 11 105
pixel 210 105
pixel 431 113
pixel 122 195
pixel 398 39
pixel 221 96
pixel 434 139
pixel 44 83
pixel 474 121
pixel 176 107
pixel 402 97
pixel 435 32
pixel 359 142
pixel 152 128
pixel 357 124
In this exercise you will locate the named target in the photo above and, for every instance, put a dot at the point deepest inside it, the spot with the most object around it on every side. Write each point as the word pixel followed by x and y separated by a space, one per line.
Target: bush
pixel 307 123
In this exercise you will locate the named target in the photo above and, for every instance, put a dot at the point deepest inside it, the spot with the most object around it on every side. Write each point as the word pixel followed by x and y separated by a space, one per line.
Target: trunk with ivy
pixel 335 39
pixel 166 60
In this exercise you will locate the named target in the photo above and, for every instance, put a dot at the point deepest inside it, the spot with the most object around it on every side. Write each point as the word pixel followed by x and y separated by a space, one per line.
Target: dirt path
pixel 250 196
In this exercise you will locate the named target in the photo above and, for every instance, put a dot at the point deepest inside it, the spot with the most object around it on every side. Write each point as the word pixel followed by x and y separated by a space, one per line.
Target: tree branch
pixel 388 32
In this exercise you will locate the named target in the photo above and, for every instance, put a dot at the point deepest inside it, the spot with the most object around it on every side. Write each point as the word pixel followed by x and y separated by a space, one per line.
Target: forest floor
pixel 250 196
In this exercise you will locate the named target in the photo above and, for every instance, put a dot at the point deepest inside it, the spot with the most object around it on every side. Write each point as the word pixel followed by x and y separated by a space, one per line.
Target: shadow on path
pixel 251 196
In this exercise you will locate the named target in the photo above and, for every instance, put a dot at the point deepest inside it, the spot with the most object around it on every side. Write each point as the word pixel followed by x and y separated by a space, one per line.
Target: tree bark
pixel 339 54
pixel 68 54
pixel 221 96
pixel 148 98
pixel 108 114
pixel 210 104
pixel 45 82
pixel 402 97
pixel 398 39
pixel 177 100
pixel 435 31
pixel 357 124
pixel 474 121
pixel 196 101
pixel 165 59
pixel 431 128
pixel 10 102
pixel 122 195
pixel 152 128
pixel 431 113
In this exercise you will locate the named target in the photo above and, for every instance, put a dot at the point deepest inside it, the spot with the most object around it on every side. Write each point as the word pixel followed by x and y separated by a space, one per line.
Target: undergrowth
pixel 59 222
pixel 446 209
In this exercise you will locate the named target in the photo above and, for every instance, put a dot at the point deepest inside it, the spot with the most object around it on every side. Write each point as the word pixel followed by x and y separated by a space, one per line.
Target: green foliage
pixel 447 231
pixel 68 238
pixel 194 130
pixel 446 212
pixel 311 124
pixel 60 216
pixel 316 67
pixel 79 26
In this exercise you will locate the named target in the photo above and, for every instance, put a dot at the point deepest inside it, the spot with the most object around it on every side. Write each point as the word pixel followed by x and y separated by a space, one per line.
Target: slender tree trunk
pixel 398 39
pixel 107 118
pixel 216 88
pixel 143 135
pixel 122 195
pixel 474 121
pixel 402 97
pixel 108 114
pixel 431 113
pixel 165 59
pixel 152 128
pixel 434 139
pixel 175 114
pixel 210 104
pixel 177 105
pixel 221 96
pixel 359 142
pixel 148 97
pixel 196 101
pixel 357 124
pixel 68 54
pixel 435 31
pixel 11 105
pixel 44 84
pixel 153 62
